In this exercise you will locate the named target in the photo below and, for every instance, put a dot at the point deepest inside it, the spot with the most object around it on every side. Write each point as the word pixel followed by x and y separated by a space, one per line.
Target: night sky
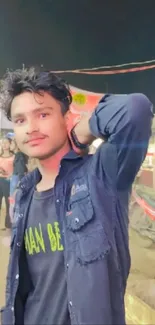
pixel 68 34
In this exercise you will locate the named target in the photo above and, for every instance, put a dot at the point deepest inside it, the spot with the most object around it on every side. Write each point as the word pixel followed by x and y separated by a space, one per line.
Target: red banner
pixel 144 205
pixel 83 101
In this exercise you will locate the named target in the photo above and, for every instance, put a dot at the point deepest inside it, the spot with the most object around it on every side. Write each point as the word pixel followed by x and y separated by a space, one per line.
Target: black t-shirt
pixel 47 302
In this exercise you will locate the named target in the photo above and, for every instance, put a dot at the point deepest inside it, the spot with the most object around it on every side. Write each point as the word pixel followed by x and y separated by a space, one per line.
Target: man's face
pixel 39 126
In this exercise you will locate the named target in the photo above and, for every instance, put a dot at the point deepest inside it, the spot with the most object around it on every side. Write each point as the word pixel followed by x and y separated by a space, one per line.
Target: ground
pixel 142 276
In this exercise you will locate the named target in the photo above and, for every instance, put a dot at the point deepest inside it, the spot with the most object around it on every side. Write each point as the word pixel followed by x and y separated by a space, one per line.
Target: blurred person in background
pixel 6 169
pixel 19 166
pixel 1 151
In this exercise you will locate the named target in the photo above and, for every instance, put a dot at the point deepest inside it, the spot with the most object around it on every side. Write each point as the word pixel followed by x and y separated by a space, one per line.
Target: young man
pixel 70 259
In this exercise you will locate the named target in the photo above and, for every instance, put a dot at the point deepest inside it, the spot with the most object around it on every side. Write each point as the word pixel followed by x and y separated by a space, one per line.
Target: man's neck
pixel 49 169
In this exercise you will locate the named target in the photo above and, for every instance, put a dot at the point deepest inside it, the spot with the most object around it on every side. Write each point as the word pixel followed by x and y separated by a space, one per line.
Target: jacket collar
pixel 32 178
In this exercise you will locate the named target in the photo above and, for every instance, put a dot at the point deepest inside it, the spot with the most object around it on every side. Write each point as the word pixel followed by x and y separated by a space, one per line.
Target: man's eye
pixel 19 121
pixel 43 115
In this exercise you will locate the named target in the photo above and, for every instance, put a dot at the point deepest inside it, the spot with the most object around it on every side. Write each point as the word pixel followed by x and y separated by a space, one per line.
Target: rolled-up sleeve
pixel 125 121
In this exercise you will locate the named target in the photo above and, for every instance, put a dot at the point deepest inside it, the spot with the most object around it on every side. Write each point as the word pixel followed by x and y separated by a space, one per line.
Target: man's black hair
pixel 17 82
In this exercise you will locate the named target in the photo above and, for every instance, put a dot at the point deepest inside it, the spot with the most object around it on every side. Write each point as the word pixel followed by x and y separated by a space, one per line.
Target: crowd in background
pixel 13 166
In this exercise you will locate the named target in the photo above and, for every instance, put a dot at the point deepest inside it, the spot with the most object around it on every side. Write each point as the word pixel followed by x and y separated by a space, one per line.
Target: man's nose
pixel 32 126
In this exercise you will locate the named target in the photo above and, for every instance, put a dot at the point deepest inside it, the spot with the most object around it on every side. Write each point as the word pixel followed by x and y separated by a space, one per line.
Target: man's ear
pixel 72 120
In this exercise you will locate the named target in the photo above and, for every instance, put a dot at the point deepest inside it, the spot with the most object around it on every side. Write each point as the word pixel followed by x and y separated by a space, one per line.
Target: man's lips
pixel 35 140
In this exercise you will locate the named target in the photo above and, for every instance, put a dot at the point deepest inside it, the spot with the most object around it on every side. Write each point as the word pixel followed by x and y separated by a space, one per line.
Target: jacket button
pixel 57 201
pixel 12 308
pixel 17 276
pixel 67 265
pixel 70 303
pixel 77 220
pixel 18 244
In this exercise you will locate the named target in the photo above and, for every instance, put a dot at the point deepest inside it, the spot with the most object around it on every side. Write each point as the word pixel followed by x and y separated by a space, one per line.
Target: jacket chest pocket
pixel 85 234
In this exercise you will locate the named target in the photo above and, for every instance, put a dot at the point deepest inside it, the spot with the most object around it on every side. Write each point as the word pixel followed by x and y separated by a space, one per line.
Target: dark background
pixel 68 34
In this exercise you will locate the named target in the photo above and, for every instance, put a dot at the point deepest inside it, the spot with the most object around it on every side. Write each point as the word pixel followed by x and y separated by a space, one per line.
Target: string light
pixel 113 69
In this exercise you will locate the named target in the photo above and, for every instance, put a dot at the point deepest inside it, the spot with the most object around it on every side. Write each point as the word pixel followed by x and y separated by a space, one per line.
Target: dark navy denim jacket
pixel 91 197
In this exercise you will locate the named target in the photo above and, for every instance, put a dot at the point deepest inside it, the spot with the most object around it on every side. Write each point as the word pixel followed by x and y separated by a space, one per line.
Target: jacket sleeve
pixel 25 284
pixel 125 122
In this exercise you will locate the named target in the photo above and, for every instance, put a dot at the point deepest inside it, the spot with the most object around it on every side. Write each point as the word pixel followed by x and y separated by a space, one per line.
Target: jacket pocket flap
pixel 78 217
pixel 78 196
